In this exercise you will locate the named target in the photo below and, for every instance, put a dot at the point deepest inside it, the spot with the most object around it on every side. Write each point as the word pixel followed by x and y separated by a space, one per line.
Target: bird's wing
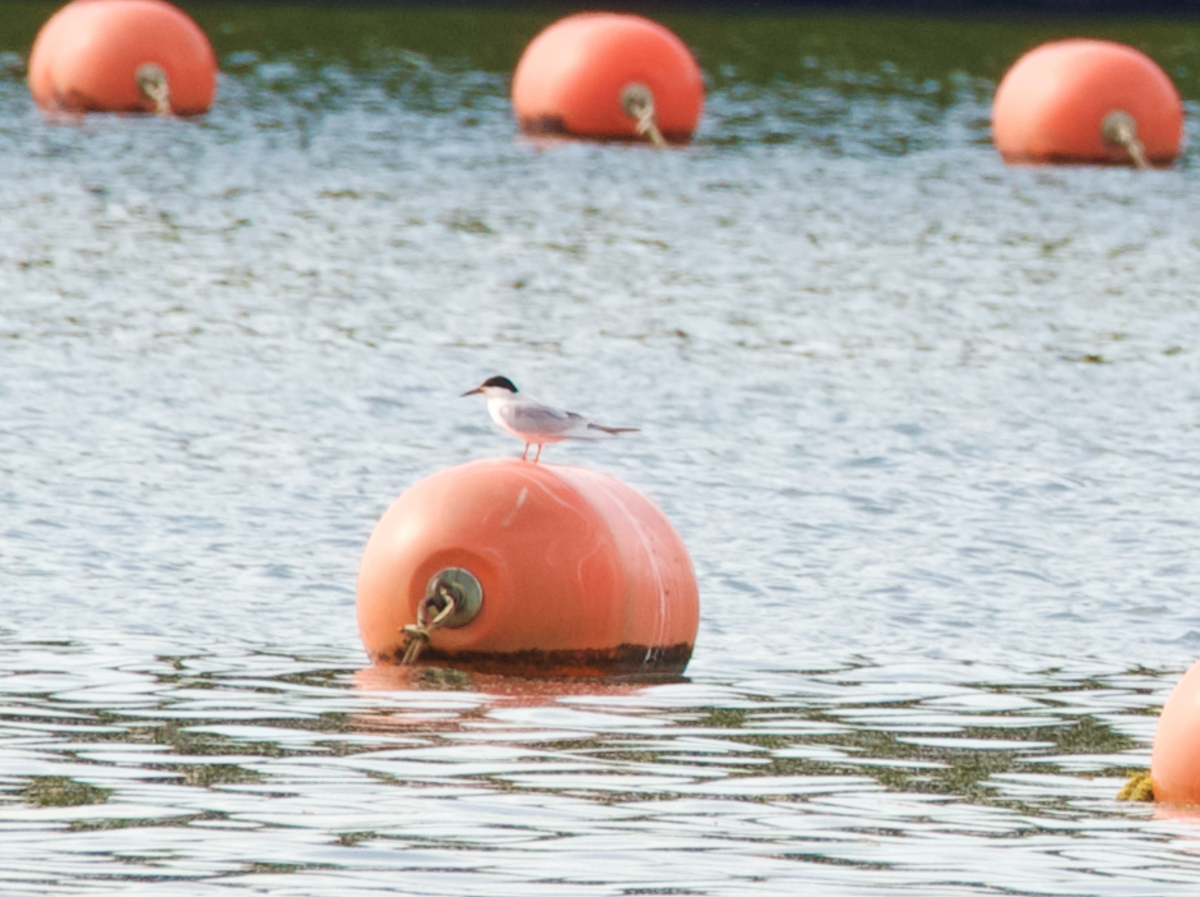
pixel 537 419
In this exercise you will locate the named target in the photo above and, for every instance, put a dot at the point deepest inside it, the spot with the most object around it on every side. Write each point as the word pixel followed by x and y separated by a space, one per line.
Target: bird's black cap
pixel 502 382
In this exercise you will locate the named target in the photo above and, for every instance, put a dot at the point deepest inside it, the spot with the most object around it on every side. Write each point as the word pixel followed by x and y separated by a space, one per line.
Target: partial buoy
pixel 608 76
pixel 502 566
pixel 122 56
pixel 1175 760
pixel 1087 101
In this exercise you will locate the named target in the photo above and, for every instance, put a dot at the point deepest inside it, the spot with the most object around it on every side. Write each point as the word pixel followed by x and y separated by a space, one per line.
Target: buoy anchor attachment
pixel 152 82
pixel 454 596
pixel 638 102
pixel 1119 127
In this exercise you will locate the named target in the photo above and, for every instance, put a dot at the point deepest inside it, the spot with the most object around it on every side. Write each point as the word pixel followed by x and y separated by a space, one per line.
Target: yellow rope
pixel 1139 786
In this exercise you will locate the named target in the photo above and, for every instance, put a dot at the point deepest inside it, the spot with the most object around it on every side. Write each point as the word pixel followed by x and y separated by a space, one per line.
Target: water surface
pixel 926 424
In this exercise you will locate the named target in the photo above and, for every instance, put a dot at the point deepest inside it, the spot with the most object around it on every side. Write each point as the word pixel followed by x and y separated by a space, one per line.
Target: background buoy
pixel 1087 101
pixel 561 571
pixel 122 56
pixel 1175 760
pixel 608 76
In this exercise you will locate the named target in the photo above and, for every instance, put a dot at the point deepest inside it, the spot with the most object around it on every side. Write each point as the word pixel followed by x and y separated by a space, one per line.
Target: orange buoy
pixel 1175 760
pixel 122 56
pixel 608 76
pixel 1087 101
pixel 503 566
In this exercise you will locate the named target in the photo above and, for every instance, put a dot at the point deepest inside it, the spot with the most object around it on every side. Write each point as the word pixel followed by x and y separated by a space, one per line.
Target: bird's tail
pixel 613 430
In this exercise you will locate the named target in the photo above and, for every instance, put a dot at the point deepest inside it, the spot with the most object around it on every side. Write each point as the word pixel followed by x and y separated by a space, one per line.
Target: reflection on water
pixel 926 424
pixel 233 769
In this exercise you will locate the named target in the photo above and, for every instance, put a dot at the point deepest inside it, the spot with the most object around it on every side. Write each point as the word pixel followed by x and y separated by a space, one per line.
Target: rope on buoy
pixel 1119 127
pixel 638 103
pixel 1139 786
pixel 152 82
pixel 418 635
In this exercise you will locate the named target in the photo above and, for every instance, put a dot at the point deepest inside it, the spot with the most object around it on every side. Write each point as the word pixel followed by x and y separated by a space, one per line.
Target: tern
pixel 533 422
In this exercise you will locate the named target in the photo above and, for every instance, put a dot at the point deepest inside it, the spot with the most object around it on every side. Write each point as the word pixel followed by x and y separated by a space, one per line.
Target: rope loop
pixel 152 82
pixel 1119 127
pixel 443 601
pixel 638 103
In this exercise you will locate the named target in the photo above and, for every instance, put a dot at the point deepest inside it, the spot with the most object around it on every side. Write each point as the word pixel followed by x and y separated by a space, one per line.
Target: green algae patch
pixel 61 791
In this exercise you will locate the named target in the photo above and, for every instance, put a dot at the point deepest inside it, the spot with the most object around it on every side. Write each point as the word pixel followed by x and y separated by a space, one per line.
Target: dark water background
pixel 928 426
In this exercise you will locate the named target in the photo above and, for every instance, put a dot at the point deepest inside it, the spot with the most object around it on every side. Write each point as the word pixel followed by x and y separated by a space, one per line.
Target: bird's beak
pixel 472 392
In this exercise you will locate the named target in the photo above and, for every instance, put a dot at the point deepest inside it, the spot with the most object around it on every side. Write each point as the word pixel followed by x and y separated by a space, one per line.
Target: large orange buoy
pixel 608 76
pixel 1087 101
pixel 1175 761
pixel 122 56
pixel 503 566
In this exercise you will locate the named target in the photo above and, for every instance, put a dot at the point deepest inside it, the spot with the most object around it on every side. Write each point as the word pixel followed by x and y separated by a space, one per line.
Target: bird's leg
pixel 539 454
pixel 525 453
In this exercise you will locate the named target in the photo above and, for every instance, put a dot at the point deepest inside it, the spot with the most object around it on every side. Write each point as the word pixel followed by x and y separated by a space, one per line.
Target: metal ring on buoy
pixel 575 79
pixel 1087 101
pixel 454 596
pixel 498 566
pixel 122 56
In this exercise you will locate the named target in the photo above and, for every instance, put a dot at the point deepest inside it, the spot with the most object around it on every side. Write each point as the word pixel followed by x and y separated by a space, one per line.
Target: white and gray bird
pixel 535 423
